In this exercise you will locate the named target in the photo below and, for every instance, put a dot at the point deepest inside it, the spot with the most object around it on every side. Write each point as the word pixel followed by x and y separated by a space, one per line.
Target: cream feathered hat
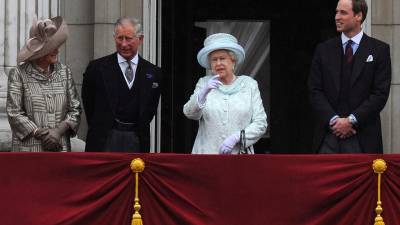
pixel 44 36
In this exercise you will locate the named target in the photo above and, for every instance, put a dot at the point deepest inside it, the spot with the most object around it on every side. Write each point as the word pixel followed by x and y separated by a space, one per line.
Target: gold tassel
pixel 379 166
pixel 137 166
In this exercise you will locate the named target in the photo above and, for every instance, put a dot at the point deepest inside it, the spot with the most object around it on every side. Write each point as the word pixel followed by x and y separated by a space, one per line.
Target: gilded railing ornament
pixel 137 166
pixel 379 166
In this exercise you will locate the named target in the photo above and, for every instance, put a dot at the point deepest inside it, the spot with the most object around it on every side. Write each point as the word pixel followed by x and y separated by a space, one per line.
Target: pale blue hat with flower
pixel 220 41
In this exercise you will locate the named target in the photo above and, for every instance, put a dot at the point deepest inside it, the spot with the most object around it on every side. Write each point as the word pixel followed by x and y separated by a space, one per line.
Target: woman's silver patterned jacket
pixel 35 101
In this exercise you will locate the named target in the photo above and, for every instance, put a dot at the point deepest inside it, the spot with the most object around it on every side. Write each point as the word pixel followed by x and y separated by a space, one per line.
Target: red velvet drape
pixel 90 188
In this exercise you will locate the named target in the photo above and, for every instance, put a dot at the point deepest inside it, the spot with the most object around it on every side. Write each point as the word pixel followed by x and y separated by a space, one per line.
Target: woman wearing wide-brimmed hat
pixel 225 104
pixel 43 107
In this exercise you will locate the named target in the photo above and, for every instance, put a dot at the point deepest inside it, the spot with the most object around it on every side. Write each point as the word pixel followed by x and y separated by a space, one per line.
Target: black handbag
pixel 243 149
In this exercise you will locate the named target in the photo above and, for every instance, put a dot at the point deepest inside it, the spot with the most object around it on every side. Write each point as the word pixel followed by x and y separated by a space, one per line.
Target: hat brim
pixel 202 56
pixel 52 43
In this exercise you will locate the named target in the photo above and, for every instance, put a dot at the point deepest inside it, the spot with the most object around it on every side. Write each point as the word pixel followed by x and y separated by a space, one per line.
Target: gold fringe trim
pixel 137 166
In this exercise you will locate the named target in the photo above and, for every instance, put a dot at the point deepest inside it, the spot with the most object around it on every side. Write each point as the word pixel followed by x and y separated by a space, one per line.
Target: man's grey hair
pixel 131 21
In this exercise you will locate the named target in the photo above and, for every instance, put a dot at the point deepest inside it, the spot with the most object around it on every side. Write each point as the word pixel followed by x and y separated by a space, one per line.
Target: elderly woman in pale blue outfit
pixel 224 103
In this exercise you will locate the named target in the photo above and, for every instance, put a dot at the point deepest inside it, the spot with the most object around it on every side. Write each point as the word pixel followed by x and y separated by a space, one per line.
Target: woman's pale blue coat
pixel 227 110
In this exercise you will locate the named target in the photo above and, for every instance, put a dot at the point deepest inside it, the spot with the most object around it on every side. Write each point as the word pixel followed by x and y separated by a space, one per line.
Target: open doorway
pixel 254 37
pixel 294 29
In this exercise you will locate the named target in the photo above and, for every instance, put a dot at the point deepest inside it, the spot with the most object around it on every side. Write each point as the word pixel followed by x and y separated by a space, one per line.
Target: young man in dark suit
pixel 120 94
pixel 349 85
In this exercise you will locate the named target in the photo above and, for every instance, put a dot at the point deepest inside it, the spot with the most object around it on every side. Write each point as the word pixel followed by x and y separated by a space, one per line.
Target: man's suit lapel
pixel 142 82
pixel 110 73
pixel 359 58
pixel 139 71
pixel 335 62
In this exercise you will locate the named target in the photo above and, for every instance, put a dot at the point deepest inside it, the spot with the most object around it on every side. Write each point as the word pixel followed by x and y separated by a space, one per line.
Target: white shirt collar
pixel 356 39
pixel 134 60
pixel 123 65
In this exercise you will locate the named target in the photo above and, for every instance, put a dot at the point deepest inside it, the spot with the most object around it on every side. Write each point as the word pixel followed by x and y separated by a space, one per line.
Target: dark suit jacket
pixel 370 86
pixel 99 96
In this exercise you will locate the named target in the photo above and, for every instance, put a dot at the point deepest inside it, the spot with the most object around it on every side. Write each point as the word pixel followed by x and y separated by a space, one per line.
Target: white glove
pixel 212 83
pixel 228 144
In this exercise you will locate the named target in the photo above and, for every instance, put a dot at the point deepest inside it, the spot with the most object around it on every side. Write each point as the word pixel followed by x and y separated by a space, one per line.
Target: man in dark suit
pixel 349 85
pixel 120 94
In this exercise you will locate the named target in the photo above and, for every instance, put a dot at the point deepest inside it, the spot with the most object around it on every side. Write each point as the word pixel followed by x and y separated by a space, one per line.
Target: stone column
pixel 396 78
pixel 386 27
pixel 152 38
pixel 105 14
pixel 4 126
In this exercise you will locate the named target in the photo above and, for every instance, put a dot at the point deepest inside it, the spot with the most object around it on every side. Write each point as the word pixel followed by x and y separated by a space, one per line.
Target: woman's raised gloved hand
pixel 212 83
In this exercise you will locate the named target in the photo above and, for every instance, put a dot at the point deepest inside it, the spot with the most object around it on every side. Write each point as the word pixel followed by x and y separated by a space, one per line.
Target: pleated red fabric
pixel 98 188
